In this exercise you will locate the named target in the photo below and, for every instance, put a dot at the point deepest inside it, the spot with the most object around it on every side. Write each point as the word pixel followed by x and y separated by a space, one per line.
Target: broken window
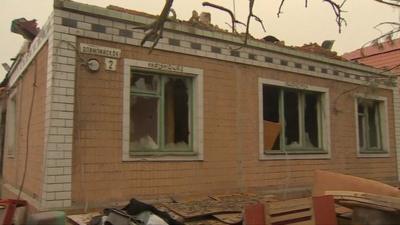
pixel 369 125
pixel 160 113
pixel 292 119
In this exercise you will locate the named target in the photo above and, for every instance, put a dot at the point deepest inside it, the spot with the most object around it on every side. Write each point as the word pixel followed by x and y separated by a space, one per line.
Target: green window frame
pixel 161 105
pixel 369 130
pixel 297 114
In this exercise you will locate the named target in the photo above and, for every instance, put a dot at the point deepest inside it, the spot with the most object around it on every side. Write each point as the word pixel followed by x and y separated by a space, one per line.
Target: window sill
pixel 162 156
pixel 268 155
pixel 373 154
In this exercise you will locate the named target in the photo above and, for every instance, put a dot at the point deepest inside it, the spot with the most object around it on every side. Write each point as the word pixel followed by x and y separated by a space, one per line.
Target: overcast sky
pixel 296 26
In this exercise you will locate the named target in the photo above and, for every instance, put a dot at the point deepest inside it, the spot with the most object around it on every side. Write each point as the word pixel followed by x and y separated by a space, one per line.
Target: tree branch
pixel 233 19
pixel 387 35
pixel 395 3
pixel 251 14
pixel 154 31
pixel 337 9
pixel 280 8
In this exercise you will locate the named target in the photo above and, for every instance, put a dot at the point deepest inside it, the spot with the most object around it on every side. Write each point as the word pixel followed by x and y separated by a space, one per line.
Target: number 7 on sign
pixel 111 64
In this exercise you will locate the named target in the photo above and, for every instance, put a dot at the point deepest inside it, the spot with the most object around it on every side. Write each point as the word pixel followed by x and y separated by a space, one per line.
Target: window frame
pixel 384 149
pixel 195 116
pixel 159 94
pixel 323 152
pixel 12 104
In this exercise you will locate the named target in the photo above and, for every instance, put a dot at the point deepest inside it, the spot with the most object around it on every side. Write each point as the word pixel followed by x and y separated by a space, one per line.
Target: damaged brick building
pixel 198 115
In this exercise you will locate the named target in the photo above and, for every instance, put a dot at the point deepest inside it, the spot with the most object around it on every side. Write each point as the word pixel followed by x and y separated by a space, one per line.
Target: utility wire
pixel 28 131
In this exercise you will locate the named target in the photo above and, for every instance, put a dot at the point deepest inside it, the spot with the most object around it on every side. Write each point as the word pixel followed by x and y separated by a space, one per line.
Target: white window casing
pixel 196 76
pixel 11 125
pixel 384 150
pixel 324 121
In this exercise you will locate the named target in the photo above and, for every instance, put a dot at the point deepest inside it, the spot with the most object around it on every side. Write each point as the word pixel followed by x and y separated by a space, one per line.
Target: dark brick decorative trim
pixel 196 46
pixel 269 59
pixel 69 22
pixel 126 33
pixel 174 42
pixel 235 53
pixel 98 28
pixel 215 49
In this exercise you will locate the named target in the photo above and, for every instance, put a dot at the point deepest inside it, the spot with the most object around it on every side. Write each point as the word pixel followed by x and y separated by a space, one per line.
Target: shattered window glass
pixel 160 113
pixel 144 122
pixel 292 119
pixel 144 83
pixel 369 125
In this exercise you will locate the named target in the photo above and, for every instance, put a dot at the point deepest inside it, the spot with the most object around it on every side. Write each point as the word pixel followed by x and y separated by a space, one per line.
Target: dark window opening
pixel 291 119
pixel 272 127
pixel 176 114
pixel 311 121
pixel 291 105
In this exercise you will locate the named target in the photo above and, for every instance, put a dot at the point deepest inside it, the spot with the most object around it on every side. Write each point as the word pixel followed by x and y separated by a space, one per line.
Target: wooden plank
pixel 367 198
pixel 229 218
pixel 289 205
pixel 254 214
pixel 308 222
pixel 324 210
pixel 291 216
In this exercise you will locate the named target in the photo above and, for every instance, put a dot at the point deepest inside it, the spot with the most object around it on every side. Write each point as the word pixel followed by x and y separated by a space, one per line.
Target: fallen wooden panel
pixel 330 181
pixel 294 211
pixel 303 211
pixel 367 200
pixel 229 218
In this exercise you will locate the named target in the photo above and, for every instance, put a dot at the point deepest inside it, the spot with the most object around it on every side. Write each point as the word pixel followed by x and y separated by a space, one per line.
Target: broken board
pixel 380 202
pixel 229 218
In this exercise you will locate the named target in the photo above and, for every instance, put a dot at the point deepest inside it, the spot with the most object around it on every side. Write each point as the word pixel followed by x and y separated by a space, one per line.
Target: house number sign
pixel 100 50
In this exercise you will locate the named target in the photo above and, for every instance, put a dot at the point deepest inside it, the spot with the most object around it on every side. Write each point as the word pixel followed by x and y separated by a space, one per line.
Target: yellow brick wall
pixel 13 167
pixel 231 143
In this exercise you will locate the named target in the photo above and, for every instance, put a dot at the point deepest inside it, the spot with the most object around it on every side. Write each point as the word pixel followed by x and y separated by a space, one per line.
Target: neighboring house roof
pixel 383 56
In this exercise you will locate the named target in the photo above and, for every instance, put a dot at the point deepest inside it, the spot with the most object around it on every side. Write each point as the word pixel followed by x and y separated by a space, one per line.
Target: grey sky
pixel 296 26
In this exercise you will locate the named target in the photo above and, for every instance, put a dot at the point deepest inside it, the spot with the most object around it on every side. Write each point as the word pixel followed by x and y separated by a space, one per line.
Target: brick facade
pixel 231 142
pixel 13 165
pixel 81 126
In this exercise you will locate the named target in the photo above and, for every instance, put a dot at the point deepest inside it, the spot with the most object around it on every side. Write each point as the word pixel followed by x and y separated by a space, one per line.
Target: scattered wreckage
pixel 336 199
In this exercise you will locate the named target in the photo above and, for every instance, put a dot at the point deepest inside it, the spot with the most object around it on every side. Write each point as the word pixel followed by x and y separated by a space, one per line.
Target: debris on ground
pixel 336 199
